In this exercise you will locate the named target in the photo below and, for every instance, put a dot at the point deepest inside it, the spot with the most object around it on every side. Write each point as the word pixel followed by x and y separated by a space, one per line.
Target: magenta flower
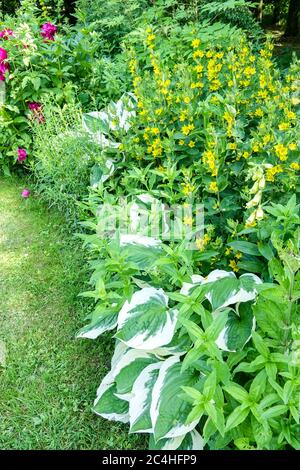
pixel 4 66
pixel 22 154
pixel 25 193
pixel 37 111
pixel 6 33
pixel 3 54
pixel 48 31
pixel 34 106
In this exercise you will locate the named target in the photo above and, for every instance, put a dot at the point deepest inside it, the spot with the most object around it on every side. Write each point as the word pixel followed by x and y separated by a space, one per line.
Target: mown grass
pixel 49 382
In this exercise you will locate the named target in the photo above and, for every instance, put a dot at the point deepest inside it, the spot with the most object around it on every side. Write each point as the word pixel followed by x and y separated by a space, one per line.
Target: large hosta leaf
pixel 140 249
pixel 128 368
pixel 139 405
pixel 169 411
pixel 238 328
pixel 224 288
pixel 189 441
pixel 146 322
pixel 107 404
pixel 105 322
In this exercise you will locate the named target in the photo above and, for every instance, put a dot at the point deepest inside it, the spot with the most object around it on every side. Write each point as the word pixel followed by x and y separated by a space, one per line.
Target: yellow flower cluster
pixel 209 158
pixel 281 152
pixel 201 243
pixel 272 171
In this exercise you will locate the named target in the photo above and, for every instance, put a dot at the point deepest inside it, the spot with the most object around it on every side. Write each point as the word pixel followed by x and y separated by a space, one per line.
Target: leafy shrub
pixel 63 157
pixel 200 359
pixel 36 67
pixel 212 362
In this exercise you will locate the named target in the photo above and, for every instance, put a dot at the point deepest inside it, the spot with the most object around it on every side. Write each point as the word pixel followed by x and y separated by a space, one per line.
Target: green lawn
pixel 48 384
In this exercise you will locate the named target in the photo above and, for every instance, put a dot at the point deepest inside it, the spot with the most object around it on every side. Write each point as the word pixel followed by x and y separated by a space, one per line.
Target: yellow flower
pixel 188 220
pixel 292 146
pixel 202 242
pixel 284 126
pixel 155 130
pixel 295 166
pixel 290 115
pixel 267 138
pixel 183 116
pixel 181 142
pixel 271 172
pixel 246 154
pixel 195 43
pixel 238 255
pixel 192 144
pixel 281 152
pixel 199 68
pixel 159 111
pixel 187 188
pixel 187 129
pixel 187 99
pixel 232 146
pixel 198 54
pixel 233 265
pixel 259 112
pixel 213 187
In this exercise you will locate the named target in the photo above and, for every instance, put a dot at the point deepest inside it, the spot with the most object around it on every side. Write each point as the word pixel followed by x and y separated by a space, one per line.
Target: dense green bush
pixel 63 157
pixel 199 359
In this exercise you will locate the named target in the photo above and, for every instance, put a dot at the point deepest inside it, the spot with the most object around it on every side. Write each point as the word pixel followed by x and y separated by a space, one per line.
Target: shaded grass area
pixel 284 48
pixel 49 382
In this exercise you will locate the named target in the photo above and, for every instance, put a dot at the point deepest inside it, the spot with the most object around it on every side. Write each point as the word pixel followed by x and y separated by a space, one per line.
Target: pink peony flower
pixel 3 69
pixel 4 66
pixel 34 106
pixel 22 154
pixel 37 111
pixel 3 54
pixel 25 193
pixel 6 33
pixel 48 31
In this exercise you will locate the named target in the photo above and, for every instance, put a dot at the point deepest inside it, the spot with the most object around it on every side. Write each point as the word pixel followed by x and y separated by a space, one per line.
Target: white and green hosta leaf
pixel 102 320
pixel 141 250
pixel 190 441
pixel 107 404
pixel 140 402
pixel 101 173
pixel 169 411
pixel 115 117
pixel 178 346
pixel 128 368
pixel 225 288
pixel 146 322
pixel 238 329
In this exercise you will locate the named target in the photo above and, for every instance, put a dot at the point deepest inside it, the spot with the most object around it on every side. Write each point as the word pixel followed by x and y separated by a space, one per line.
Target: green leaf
pixel 275 411
pixel 107 404
pixel 258 386
pixel 245 247
pixel 146 322
pixel 237 392
pixel 169 412
pixel 238 328
pixel 238 415
pixel 141 399
pixel 210 386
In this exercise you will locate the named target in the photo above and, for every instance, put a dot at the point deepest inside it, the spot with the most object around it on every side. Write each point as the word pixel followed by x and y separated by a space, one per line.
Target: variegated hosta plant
pixel 190 366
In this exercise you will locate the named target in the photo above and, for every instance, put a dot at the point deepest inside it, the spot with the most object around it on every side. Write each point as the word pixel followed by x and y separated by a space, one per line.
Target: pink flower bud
pixel 25 193
pixel 22 154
